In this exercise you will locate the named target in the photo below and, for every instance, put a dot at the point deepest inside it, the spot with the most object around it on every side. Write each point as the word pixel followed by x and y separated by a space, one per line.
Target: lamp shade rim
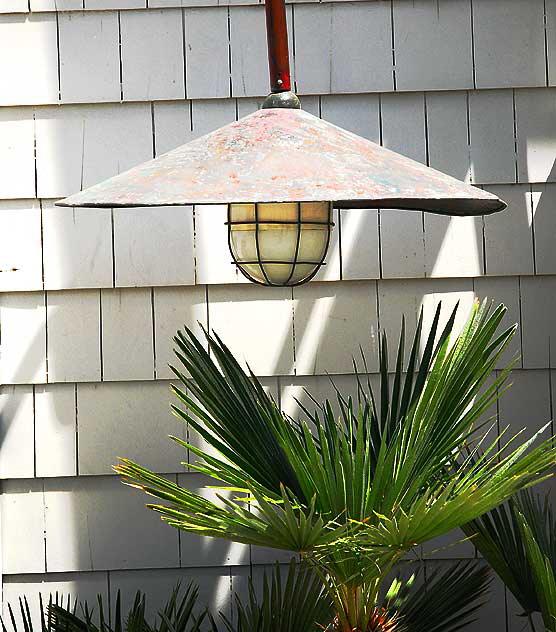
pixel 287 155
pixel 451 207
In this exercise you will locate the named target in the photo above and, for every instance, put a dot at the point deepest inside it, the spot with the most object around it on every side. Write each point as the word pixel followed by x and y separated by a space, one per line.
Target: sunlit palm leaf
pixel 543 571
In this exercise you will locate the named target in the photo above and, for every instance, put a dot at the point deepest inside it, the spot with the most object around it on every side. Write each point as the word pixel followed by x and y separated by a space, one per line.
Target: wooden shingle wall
pixel 91 297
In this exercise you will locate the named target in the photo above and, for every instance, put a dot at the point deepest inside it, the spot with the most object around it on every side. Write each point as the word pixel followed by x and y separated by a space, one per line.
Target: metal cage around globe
pixel 279 243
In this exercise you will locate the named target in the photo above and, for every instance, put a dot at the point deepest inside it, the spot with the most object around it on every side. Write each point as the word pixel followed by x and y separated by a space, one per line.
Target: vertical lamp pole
pixel 278 57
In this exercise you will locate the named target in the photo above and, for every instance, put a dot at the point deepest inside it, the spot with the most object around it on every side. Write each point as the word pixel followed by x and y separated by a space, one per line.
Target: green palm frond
pixel 351 494
pixel 542 570
pixel 447 602
pixel 177 615
pixel 518 539
pixel 298 604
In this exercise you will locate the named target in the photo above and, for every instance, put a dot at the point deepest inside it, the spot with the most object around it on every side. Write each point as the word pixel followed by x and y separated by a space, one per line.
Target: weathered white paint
pixel 508 236
pixel 206 53
pixel 17 429
pixel 23 324
pixel 78 146
pixel 20 245
pixel 491 133
pixel 152 55
pixel 535 125
pixel 55 429
pixel 82 535
pixel 174 309
pixel 89 57
pixel 22 516
pixel 543 198
pixel 74 344
pixel 26 76
pixel 432 44
pixel 332 321
pixel 137 418
pixel 256 323
pixel 538 301
pixel 17 153
pixel 77 247
pixel 154 246
pixel 509 43
pixel 127 351
pixel 448 133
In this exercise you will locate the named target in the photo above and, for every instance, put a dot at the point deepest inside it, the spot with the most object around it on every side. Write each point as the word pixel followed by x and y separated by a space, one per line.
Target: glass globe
pixel 279 243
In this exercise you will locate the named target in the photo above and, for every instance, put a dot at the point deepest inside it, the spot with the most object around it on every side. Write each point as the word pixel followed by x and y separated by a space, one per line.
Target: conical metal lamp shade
pixel 281 154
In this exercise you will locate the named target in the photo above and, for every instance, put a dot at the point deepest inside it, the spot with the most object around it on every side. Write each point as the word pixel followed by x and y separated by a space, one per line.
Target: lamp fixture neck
pixel 277 39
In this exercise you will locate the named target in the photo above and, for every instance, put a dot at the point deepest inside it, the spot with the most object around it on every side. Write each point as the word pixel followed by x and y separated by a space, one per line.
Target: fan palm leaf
pixel 354 494
pixel 518 539
pixel 298 603
pixel 448 601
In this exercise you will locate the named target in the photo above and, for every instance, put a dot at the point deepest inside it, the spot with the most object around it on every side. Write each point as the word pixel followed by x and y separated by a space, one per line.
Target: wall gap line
pixel 153 333
pixel 468 122
pixel 378 320
pixel 379 212
pixel 42 242
pixel 76 404
pixel 109 590
pixel 520 320
pixel 113 247
pixel 184 53
pixel 207 299
pixel 550 395
pixel 483 245
pixel 546 61
pixel 392 23
pixel 294 346
pixel 36 171
pixel 379 230
pixel 177 530
pixel 45 294
pixel 119 14
pixel 340 254
pixel 34 430
pixel 101 345
pixel 59 68
pixel 533 236
pixel 294 51
pixel 229 52
pixel 514 114
pixel 153 130
pixel 44 525
pixel 473 61
pixel 194 221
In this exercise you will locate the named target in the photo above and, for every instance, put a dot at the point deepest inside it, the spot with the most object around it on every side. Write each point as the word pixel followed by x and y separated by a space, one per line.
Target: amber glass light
pixel 279 243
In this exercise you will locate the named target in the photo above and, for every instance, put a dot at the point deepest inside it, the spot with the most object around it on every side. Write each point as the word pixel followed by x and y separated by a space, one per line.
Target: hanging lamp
pixel 281 171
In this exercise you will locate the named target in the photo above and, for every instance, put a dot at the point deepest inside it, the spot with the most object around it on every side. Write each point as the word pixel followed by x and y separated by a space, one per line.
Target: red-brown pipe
pixel 277 38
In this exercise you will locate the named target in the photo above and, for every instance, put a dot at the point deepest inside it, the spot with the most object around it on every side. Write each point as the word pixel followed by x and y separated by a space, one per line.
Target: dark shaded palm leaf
pixel 447 602
pixel 298 604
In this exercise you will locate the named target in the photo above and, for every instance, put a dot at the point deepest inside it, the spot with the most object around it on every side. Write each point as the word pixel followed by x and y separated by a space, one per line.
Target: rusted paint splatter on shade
pixel 278 155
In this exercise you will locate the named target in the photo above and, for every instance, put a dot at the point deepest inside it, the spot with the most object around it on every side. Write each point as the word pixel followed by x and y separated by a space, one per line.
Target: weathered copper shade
pixel 287 155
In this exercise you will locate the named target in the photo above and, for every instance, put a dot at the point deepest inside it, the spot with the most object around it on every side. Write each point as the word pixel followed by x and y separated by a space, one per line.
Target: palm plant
pixel 518 539
pixel 297 602
pixel 62 615
pixel 350 495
